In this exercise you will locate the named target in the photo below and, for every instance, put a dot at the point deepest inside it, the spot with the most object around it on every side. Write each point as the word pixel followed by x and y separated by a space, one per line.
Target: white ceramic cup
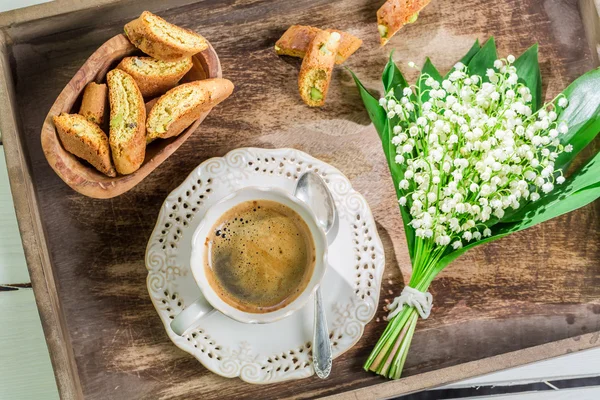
pixel 210 300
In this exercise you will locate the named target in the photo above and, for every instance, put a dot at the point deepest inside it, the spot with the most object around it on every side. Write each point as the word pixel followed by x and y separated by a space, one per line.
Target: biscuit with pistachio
pixel 154 76
pixel 394 14
pixel 181 106
pixel 295 41
pixel 315 72
pixel 93 103
pixel 86 140
pixel 127 122
pixel 162 40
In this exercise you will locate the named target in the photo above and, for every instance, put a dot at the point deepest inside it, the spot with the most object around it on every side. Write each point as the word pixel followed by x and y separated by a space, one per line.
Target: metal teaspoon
pixel 312 190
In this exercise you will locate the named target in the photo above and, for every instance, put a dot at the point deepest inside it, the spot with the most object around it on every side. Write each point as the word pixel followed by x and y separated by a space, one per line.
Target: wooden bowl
pixel 81 176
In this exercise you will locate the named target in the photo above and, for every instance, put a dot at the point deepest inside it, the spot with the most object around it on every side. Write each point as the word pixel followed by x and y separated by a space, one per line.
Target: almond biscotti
pixel 93 104
pixel 85 140
pixel 394 14
pixel 127 122
pixel 162 40
pixel 295 41
pixel 315 73
pixel 182 105
pixel 153 76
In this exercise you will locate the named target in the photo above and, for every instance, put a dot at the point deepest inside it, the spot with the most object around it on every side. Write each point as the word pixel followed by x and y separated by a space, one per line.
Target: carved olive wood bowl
pixel 77 173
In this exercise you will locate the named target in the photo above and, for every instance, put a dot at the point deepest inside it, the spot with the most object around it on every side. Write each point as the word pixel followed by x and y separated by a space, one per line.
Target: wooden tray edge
pixel 33 239
pixel 40 270
pixel 590 14
pixel 428 380
pixel 45 10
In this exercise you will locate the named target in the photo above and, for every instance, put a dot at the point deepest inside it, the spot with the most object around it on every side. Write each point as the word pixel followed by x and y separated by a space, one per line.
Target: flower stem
pixel 389 354
pixel 401 357
pixel 397 344
pixel 378 355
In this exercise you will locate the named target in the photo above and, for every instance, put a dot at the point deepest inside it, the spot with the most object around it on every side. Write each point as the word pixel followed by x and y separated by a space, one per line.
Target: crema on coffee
pixel 260 257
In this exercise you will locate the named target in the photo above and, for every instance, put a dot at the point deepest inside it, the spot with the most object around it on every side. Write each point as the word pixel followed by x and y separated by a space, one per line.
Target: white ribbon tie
pixel 421 301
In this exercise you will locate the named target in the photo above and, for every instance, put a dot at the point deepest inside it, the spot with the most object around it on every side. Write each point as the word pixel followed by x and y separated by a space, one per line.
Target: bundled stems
pixel 389 355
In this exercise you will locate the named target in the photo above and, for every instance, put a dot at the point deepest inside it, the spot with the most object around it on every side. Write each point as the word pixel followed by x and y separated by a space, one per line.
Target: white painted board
pixel 577 365
pixel 591 393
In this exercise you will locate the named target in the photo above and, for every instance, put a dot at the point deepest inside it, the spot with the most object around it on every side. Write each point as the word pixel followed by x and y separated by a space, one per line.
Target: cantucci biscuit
pixel 85 140
pixel 394 14
pixel 154 76
pixel 160 39
pixel 348 45
pixel 295 41
pixel 93 104
pixel 179 107
pixel 127 122
pixel 315 73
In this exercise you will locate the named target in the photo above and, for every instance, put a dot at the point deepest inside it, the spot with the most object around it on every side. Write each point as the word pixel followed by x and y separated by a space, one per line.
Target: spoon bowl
pixel 312 190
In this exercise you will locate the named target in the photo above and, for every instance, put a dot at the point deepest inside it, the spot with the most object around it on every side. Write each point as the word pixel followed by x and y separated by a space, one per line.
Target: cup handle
pixel 190 315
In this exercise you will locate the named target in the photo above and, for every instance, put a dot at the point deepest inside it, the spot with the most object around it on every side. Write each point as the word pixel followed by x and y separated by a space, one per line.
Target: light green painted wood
pixel 25 369
pixel 6 5
pixel 13 268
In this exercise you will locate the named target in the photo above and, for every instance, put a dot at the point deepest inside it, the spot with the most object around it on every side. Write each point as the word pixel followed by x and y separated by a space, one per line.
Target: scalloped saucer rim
pixel 251 359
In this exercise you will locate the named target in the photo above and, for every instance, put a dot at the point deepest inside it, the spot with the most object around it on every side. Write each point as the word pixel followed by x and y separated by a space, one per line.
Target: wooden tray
pixel 524 298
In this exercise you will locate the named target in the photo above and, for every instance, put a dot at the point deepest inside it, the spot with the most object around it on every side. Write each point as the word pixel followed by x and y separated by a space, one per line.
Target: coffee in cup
pixel 260 256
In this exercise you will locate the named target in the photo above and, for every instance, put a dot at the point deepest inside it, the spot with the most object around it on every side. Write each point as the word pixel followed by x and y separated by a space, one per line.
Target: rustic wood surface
pixel 535 287
pixel 81 176
pixel 590 12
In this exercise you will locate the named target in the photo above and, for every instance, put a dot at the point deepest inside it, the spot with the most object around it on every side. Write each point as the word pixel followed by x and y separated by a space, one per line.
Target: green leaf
pixel 582 115
pixel 471 53
pixel 528 69
pixel 484 59
pixel 467 57
pixel 397 172
pixel 388 147
pixel 392 78
pixel 375 111
pixel 559 207
pixel 428 70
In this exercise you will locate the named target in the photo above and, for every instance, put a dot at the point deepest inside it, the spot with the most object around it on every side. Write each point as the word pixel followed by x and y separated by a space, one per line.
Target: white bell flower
pixel 563 102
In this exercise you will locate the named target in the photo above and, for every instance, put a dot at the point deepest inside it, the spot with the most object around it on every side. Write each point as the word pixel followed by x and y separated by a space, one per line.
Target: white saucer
pixel 281 350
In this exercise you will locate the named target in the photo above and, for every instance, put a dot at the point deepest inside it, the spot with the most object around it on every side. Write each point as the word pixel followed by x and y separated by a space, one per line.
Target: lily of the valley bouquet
pixel 475 156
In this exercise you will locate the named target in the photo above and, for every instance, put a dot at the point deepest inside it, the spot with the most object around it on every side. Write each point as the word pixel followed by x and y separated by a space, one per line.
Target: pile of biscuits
pixel 131 127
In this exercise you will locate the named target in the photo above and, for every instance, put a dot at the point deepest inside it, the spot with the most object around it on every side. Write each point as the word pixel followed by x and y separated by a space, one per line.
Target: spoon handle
pixel 322 358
